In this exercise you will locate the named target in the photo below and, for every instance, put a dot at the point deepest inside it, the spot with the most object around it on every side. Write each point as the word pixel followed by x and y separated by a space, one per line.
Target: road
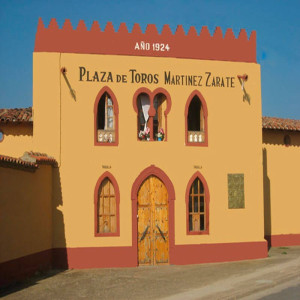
pixel 275 276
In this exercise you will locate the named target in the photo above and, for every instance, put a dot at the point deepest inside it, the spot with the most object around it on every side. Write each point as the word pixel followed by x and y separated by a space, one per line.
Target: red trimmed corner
pixel 282 240
pixel 116 116
pixel 209 253
pixel 206 197
pixel 205 114
pixel 117 195
pixel 190 44
pixel 152 95
pixel 19 269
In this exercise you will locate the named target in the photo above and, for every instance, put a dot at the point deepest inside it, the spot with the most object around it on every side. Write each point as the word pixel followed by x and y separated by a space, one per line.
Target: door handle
pixel 161 233
pixel 144 233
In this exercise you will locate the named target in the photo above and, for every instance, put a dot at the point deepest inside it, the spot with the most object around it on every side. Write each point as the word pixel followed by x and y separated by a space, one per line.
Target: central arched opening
pixel 153 222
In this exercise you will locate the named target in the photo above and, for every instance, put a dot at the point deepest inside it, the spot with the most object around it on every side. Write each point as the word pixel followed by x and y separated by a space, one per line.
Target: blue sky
pixel 276 22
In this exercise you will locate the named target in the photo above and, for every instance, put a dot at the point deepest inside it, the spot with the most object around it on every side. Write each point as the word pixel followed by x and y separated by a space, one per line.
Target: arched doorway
pixel 153 222
pixel 163 177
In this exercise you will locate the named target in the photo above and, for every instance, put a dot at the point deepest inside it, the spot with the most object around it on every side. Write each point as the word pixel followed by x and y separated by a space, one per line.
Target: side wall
pixel 25 222
pixel 17 138
pixel 281 188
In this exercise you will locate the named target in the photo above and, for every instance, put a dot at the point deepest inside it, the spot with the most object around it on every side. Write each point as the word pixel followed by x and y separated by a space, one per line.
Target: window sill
pixel 196 138
pixel 105 138
pixel 107 234
pixel 204 232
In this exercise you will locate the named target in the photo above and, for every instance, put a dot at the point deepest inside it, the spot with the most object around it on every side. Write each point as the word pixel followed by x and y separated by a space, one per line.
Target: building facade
pixel 157 142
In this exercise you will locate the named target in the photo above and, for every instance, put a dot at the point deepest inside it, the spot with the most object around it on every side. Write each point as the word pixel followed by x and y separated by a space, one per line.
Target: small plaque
pixel 236 197
pixel 106 167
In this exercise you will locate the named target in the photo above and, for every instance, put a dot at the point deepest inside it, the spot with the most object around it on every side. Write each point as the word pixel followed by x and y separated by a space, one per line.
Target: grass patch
pixel 284 248
pixel 283 252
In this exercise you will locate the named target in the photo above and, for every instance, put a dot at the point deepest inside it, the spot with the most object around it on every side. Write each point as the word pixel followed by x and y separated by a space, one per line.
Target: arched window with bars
pixel 107 198
pixel 197 202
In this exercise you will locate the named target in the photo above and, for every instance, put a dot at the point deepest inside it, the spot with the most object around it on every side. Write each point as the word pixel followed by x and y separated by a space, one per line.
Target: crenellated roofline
pixel 122 42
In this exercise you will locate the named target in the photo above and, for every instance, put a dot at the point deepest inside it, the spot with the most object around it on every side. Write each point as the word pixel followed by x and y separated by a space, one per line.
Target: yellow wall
pixel 26 212
pixel 281 182
pixel 17 139
pixel 64 128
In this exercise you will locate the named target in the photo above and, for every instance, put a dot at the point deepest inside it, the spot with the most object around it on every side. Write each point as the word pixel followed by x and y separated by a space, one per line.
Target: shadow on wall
pixel 31 212
pixel 17 130
pixel 267 199
pixel 281 137
pixel 59 252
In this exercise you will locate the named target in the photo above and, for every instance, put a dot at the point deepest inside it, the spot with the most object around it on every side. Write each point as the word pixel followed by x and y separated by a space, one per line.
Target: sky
pixel 276 22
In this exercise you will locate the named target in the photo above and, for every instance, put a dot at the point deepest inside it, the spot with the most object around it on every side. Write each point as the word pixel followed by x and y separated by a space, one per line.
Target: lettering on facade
pixel 145 46
pixel 204 79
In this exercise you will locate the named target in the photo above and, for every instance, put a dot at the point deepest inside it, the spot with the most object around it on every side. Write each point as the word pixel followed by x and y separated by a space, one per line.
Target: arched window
pixel 160 105
pixel 106 206
pixel 106 118
pixel 196 120
pixel 152 109
pixel 143 103
pixel 197 200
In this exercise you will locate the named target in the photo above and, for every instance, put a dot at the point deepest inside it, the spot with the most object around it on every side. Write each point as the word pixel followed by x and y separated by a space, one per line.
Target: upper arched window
pixel 197 201
pixel 107 206
pixel 106 118
pixel 152 110
pixel 196 120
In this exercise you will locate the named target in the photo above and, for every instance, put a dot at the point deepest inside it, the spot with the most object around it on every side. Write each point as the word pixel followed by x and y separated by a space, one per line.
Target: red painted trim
pixel 94 257
pixel 152 170
pixel 108 257
pixel 122 42
pixel 208 253
pixel 152 111
pixel 205 114
pixel 206 199
pixel 281 240
pixel 19 269
pixel 116 115
pixel 117 195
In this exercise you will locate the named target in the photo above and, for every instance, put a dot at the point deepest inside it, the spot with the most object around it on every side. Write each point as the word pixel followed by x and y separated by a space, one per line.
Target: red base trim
pixel 283 240
pixel 110 257
pixel 23 267
pixel 209 253
pixel 96 257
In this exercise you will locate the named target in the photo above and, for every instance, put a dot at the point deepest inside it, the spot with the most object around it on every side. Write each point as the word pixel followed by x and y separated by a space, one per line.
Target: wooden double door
pixel 153 223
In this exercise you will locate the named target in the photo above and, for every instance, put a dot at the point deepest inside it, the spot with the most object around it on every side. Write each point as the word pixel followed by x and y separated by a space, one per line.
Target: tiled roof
pixel 17 162
pixel 25 115
pixel 279 123
pixel 16 115
pixel 29 160
pixel 41 158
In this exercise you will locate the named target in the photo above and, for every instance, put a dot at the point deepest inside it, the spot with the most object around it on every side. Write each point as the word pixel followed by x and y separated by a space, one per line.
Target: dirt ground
pixel 231 280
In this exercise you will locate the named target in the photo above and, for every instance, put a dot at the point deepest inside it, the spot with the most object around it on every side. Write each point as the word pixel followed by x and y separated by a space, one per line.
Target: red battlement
pixel 151 43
